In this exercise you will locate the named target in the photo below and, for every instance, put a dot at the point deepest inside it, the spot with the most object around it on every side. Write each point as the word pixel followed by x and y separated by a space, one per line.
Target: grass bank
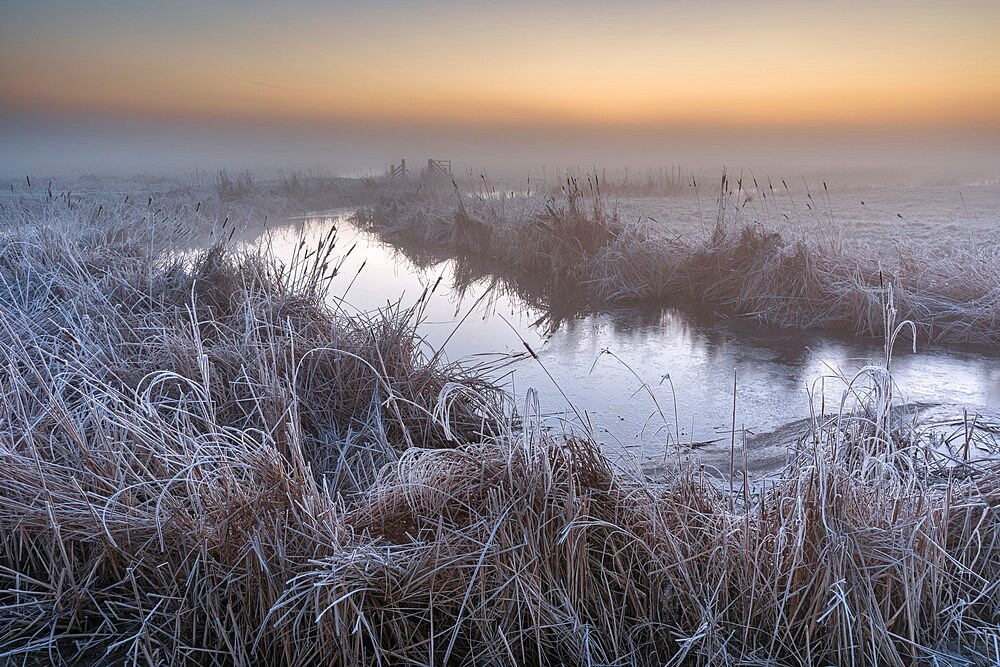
pixel 202 461
pixel 576 247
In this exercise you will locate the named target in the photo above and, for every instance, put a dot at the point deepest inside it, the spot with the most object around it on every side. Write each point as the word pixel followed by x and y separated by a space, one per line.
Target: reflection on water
pixel 601 361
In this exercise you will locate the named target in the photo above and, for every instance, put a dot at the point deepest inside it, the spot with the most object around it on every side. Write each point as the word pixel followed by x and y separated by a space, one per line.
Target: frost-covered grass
pixel 203 461
pixel 575 247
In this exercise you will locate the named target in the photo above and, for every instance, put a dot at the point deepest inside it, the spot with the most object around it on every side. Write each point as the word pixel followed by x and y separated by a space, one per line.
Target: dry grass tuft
pixel 575 247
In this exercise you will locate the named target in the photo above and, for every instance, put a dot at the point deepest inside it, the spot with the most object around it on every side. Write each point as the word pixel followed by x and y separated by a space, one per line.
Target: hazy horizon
pixel 139 87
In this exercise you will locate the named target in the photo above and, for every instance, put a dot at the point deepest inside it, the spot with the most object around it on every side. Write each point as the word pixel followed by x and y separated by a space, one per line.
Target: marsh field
pixel 315 420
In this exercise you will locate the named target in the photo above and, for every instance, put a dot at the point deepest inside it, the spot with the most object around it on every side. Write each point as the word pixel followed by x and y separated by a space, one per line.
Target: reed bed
pixel 577 247
pixel 203 461
pixel 293 192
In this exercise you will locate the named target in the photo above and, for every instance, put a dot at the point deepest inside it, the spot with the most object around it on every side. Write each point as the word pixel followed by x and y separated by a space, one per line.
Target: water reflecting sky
pixel 773 369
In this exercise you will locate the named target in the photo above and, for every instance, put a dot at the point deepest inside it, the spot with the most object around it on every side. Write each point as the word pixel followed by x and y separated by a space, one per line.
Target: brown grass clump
pixel 577 247
pixel 201 463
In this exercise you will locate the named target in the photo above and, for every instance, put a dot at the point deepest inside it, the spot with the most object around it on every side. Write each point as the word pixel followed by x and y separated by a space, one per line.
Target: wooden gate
pixel 397 171
pixel 439 168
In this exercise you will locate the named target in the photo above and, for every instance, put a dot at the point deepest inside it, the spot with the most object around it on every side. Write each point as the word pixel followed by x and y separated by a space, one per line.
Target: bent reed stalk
pixel 575 247
pixel 204 462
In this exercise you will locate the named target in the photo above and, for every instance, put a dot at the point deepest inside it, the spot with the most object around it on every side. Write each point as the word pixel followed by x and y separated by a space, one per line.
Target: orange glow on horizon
pixel 869 68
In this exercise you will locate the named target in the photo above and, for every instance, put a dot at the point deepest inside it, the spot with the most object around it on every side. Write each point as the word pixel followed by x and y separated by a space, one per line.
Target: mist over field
pixel 66 147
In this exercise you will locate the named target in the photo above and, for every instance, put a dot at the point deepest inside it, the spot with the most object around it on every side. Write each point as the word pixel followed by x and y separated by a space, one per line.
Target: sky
pixel 352 84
